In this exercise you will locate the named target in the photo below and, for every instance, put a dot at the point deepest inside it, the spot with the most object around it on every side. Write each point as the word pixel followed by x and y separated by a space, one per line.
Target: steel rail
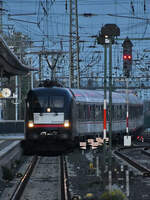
pixel 24 180
pixel 65 195
pixel 145 152
pixel 145 172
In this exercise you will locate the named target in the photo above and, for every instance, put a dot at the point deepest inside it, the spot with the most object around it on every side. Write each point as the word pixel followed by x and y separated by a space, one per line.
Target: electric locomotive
pixel 48 119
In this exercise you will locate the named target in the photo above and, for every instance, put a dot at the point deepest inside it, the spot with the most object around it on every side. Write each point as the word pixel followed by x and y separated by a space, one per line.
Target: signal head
pixel 125 57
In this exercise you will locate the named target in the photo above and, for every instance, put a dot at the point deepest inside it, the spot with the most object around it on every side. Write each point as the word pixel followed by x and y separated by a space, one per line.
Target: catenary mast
pixel 74 68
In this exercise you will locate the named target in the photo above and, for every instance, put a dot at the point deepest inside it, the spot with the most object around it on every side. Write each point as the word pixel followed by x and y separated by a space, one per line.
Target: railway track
pixel 133 156
pixel 23 181
pixel 44 178
pixel 49 179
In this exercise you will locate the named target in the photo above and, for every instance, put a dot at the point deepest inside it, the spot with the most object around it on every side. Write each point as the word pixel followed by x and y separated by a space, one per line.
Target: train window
pixel 125 111
pixel 86 114
pixel 97 112
pixel 81 112
pixel 40 103
pixel 58 101
pixel 120 111
pixel 89 111
pixel 101 112
pixel 141 110
pixel 92 108
pixel 115 112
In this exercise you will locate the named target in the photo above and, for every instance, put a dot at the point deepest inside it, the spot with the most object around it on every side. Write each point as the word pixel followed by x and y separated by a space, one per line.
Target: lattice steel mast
pixel 74 68
pixel 1 14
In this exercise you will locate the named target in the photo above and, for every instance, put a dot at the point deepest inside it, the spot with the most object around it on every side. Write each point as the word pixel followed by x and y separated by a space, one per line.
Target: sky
pixel 47 22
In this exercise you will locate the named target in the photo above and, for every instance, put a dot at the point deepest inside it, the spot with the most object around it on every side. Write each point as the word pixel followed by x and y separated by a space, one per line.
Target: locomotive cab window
pixel 58 102
pixel 41 103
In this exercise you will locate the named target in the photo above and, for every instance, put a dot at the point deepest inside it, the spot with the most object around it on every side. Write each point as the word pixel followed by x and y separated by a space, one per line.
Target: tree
pixel 113 195
pixel 18 42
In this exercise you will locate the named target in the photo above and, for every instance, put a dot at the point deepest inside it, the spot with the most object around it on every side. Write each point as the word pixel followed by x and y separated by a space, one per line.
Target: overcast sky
pixel 51 24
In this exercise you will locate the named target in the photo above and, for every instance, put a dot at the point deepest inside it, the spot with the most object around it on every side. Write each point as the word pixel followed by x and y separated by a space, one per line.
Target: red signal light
pixel 124 57
pixel 127 57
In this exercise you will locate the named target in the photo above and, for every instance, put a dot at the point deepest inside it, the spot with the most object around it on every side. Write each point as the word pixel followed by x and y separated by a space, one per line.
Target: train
pixel 57 118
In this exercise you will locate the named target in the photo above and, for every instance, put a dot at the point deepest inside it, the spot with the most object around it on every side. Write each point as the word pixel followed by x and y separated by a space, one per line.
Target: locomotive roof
pixel 49 91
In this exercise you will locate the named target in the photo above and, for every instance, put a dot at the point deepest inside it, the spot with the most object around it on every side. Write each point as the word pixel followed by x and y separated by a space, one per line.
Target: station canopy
pixel 10 65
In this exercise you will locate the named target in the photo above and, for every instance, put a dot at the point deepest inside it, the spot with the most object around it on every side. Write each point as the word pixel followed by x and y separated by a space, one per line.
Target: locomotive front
pixel 48 118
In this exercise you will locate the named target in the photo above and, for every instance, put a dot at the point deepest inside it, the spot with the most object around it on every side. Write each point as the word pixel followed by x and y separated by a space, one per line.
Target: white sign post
pixel 127 140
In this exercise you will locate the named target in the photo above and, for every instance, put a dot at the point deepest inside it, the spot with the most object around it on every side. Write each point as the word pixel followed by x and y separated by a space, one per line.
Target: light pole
pixel 110 101
pixel 105 102
pixel 105 90
pixel 106 37
pixel 103 40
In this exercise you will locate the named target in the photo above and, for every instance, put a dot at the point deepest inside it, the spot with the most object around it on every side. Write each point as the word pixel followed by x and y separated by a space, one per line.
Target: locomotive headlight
pixel 30 124
pixel 66 124
pixel 48 110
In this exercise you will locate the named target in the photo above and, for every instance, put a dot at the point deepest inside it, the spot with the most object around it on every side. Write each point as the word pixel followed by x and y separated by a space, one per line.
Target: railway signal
pixel 127 56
